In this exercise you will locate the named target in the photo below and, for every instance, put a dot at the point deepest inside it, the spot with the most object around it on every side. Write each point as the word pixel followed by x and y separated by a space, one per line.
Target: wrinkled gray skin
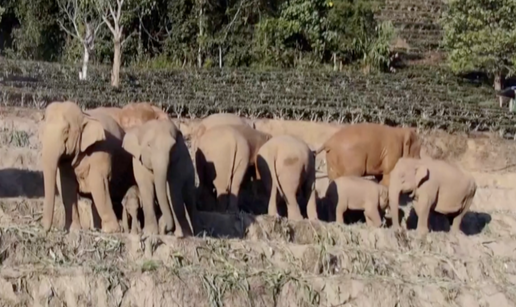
pixel 356 193
pixel 435 185
pixel 163 168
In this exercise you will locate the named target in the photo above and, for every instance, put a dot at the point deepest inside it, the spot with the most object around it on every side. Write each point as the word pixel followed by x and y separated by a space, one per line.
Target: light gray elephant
pixel 435 185
pixel 161 161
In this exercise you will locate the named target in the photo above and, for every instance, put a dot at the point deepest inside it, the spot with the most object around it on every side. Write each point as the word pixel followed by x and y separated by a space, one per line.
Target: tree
pixel 84 26
pixel 115 13
pixel 481 35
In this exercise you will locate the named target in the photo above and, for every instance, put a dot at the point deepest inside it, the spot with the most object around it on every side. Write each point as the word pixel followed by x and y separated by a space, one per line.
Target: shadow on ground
pixel 472 224
pixel 21 183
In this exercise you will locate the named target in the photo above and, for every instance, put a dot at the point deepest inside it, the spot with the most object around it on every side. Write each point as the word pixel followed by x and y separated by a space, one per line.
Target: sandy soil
pixel 246 260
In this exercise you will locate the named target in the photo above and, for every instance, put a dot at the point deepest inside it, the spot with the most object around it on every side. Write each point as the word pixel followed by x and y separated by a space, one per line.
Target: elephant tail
pixel 274 174
pixel 233 163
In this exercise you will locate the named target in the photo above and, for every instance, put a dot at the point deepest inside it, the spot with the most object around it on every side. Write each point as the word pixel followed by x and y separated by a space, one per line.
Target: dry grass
pixel 246 260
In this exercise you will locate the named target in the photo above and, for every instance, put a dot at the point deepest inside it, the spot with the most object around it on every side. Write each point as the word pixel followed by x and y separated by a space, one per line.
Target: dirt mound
pixel 246 260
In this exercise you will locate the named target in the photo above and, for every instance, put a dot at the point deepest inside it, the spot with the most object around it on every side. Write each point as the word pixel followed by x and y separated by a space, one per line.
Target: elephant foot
pixel 75 227
pixel 150 230
pixel 110 227
pixel 164 227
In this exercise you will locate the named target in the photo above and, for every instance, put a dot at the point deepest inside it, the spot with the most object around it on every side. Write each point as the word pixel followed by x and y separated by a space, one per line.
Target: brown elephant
pixel 356 193
pixel 163 169
pixel 434 185
pixel 132 204
pixel 134 114
pixel 216 120
pixel 222 159
pixel 83 152
pixel 368 149
pixel 286 164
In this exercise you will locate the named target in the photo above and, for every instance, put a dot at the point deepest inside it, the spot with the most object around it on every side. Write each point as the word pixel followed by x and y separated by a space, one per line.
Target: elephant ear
pixel 421 174
pixel 92 132
pixel 132 145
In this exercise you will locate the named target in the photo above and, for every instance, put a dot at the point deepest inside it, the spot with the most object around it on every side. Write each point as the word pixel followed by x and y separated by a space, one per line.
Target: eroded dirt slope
pixel 244 260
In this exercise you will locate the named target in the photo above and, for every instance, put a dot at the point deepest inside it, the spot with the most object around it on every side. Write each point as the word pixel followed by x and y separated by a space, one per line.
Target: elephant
pixel 356 193
pixel 132 204
pixel 135 114
pixel 215 120
pixel 368 149
pixel 286 164
pixel 222 158
pixel 434 185
pixel 83 152
pixel 163 169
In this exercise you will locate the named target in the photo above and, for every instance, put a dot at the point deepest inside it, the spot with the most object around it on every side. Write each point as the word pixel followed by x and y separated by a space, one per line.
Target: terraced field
pixel 246 260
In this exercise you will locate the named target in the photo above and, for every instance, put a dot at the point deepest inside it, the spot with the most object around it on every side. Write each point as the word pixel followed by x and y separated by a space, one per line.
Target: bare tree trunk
pixel 83 75
pixel 117 59
pixel 498 85
pixel 201 34
pixel 334 61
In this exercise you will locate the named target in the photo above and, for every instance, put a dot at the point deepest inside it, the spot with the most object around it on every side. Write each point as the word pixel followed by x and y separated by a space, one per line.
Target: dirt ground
pixel 246 260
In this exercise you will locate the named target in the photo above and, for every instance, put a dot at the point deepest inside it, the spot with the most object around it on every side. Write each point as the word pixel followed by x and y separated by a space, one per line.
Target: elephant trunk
pixel 394 200
pixel 50 158
pixel 160 165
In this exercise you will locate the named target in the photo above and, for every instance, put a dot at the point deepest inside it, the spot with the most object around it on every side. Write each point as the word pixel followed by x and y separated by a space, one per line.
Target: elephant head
pixel 407 176
pixel 411 143
pixel 151 144
pixel 67 133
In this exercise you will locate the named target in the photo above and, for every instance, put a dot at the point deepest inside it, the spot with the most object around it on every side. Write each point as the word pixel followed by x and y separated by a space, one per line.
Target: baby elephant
pixel 131 204
pixel 356 193
pixel 286 164
pixel 434 185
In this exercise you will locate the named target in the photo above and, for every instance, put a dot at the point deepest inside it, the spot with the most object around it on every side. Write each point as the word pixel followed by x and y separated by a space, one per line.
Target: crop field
pixel 430 99
pixel 416 21
pixel 251 260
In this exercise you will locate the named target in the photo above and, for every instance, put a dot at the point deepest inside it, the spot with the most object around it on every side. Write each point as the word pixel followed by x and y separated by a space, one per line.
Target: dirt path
pixel 258 261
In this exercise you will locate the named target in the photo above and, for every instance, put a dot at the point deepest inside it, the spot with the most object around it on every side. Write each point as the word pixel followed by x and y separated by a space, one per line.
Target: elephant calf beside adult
pixel 367 149
pixel 83 151
pixel 162 162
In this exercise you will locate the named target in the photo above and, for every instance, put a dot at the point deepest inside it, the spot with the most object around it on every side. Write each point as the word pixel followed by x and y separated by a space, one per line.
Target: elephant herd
pixel 124 159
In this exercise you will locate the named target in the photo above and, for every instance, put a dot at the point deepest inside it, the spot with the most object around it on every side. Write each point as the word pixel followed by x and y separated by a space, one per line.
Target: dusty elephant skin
pixel 131 204
pixel 82 151
pixel 222 159
pixel 368 149
pixel 435 185
pixel 356 193
pixel 285 164
pixel 134 114
pixel 215 120
pixel 160 160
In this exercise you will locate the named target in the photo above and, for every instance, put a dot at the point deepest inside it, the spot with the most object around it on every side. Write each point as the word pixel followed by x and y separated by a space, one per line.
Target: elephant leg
pixel 125 220
pixel 385 180
pixel 101 197
pixel 422 209
pixel 68 188
pixel 144 179
pixel 455 227
pixel 135 224
pixel 341 208
pixel 372 216
pixel 311 196
pixel 190 203
pixel 238 177
pixel 273 201
pixel 289 179
pixel 183 227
